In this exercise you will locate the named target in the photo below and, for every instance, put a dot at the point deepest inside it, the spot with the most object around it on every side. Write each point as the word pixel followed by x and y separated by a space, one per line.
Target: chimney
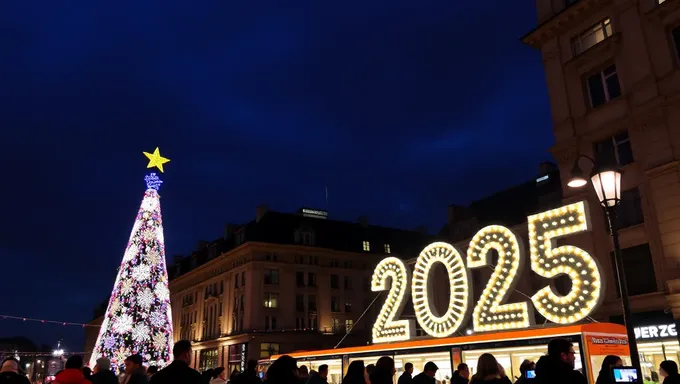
pixel 546 167
pixel 262 210
pixel 363 220
pixel 457 213
pixel 229 230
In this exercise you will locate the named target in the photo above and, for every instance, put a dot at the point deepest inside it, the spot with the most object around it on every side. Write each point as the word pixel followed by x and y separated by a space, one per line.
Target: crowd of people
pixel 557 367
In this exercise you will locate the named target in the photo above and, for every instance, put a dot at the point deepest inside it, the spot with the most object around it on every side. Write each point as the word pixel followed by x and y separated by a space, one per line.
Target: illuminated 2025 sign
pixel 492 312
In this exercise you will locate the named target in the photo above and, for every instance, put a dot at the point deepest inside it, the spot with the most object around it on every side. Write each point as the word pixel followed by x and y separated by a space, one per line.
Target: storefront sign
pixel 607 345
pixel 492 312
pixel 651 332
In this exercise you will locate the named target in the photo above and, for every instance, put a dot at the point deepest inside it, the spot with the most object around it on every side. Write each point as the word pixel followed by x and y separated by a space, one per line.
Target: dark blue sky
pixel 401 107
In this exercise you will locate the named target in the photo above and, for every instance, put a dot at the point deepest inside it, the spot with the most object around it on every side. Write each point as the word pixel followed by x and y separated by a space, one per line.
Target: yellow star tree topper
pixel 156 160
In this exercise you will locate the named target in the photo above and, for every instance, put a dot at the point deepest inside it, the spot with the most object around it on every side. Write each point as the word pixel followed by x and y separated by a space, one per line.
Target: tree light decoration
pixel 385 328
pixel 489 314
pixel 138 319
pixel 549 262
pixel 421 291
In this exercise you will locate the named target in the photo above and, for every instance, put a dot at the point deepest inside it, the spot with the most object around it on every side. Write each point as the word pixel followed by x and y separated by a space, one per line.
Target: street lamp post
pixel 606 181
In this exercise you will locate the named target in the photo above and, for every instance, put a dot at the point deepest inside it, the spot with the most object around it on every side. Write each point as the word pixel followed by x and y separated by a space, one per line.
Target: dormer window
pixel 304 236
pixel 240 237
pixel 367 246
pixel 387 248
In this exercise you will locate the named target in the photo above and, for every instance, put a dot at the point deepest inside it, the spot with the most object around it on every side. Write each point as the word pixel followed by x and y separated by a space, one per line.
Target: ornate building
pixel 280 283
pixel 612 72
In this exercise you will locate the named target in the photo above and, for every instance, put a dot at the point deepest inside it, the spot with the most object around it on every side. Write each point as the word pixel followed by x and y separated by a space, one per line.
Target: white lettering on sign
pixel 656 331
pixel 492 312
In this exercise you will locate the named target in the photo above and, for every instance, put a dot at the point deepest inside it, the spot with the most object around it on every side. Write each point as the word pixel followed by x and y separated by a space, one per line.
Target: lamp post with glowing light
pixel 606 180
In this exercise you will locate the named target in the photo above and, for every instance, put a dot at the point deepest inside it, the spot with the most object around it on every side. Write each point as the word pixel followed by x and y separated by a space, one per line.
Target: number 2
pixel 549 262
pixel 386 328
pixel 489 314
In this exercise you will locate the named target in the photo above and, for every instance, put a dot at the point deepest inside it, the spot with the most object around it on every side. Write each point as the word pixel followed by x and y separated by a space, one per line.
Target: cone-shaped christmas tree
pixel 138 319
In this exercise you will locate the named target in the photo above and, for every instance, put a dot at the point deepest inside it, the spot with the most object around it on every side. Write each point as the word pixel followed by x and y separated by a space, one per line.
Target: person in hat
pixel 102 372
pixel 134 370
pixel 427 375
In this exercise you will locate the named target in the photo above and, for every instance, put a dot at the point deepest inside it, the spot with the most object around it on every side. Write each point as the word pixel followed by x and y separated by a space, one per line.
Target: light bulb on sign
pixel 422 290
pixel 386 328
pixel 549 262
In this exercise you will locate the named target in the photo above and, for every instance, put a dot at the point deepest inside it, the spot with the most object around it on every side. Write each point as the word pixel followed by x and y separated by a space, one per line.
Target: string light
pixel 45 321
pixel 386 328
pixel 579 265
pixel 489 314
pixel 421 292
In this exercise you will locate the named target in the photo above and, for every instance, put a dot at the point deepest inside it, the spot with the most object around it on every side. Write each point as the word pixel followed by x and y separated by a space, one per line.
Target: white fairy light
pixel 489 314
pixel 386 328
pixel 586 280
pixel 421 291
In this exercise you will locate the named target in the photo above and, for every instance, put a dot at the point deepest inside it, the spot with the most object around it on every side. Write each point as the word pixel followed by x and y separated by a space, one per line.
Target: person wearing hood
pixel 557 367
pixel 72 373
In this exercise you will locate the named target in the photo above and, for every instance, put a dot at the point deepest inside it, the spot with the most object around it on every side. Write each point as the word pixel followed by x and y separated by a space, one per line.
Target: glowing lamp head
pixel 153 181
pixel 577 178
pixel 607 184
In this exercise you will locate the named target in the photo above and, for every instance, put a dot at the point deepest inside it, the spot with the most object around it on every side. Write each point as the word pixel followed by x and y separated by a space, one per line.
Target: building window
pixel 349 323
pixel 387 248
pixel 336 325
pixel 348 282
pixel 304 236
pixel 299 303
pixel 311 279
pixel 313 323
pixel 243 278
pixel 236 280
pixel 603 86
pixel 271 300
pixel 348 307
pixel 271 276
pixel 614 150
pixel 630 210
pixel 299 323
pixel 268 349
pixel 640 276
pixel 311 302
pixel 592 36
pixel 347 264
pixel 675 34
pixel 300 279
pixel 335 304
pixel 270 323
pixel 335 263
pixel 335 282
pixel 271 256
pixel 367 246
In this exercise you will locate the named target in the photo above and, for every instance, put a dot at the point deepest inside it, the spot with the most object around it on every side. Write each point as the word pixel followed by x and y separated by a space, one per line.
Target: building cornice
pixel 563 21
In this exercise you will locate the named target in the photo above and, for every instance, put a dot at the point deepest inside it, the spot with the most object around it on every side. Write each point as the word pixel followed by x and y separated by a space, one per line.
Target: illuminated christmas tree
pixel 138 318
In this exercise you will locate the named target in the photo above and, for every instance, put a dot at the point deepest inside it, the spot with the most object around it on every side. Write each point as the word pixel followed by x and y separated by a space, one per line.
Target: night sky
pixel 400 107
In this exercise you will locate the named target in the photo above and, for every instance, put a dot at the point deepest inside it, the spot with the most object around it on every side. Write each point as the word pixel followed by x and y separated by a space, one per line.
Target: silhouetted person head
pixel 356 373
pixel 562 349
pixel 668 368
pixel 408 367
pixel 74 362
pixel 283 371
pixel 182 351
